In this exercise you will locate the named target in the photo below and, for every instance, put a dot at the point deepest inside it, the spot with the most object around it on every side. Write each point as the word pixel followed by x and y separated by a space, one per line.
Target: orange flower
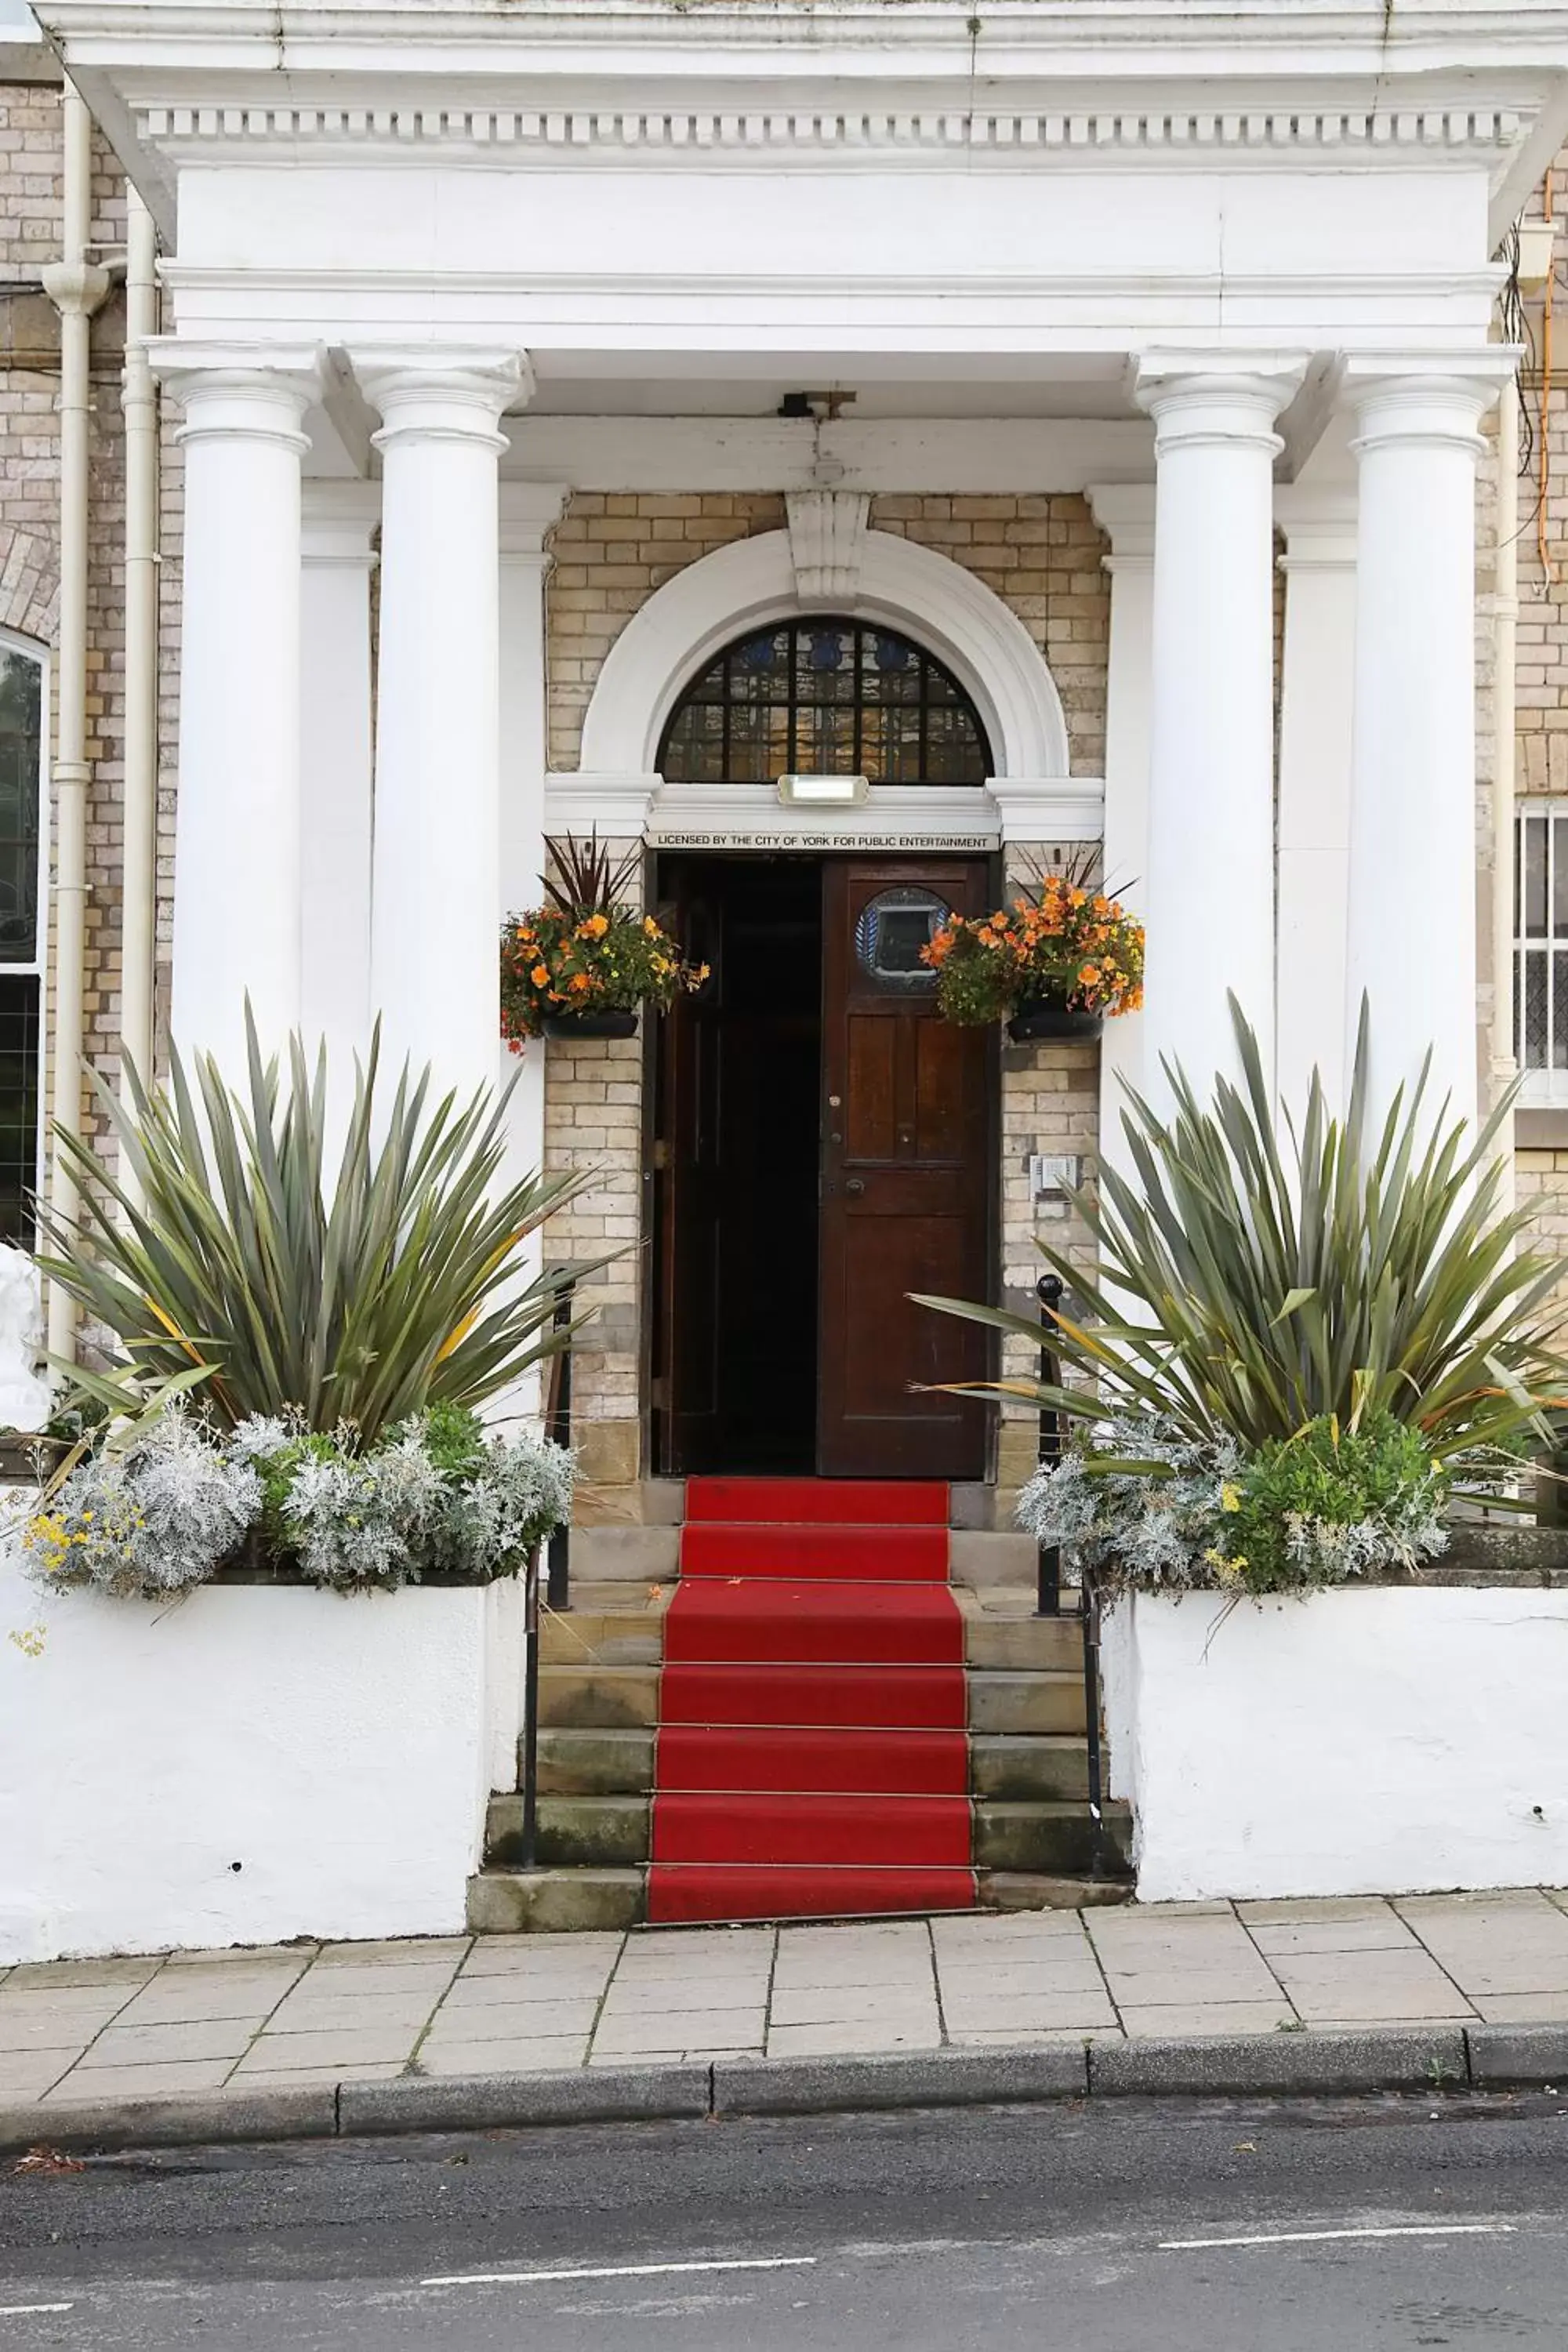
pixel 650 927
pixel 593 928
pixel 540 976
pixel 578 983
pixel 1089 975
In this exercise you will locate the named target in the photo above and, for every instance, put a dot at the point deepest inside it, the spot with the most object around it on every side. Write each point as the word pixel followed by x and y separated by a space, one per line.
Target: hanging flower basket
pixel 568 1026
pixel 1059 962
pixel 581 964
pixel 1042 1020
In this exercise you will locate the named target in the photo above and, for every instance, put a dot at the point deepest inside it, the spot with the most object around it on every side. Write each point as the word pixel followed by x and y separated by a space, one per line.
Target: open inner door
pixel 821 1148
pixel 905 1179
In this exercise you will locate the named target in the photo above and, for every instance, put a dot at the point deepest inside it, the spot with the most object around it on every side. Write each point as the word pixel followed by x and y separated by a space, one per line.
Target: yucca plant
pixel 361 1298
pixel 1250 1286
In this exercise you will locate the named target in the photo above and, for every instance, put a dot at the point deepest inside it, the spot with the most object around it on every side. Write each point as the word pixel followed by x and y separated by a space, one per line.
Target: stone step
pixel 555 1901
pixel 599 1631
pixel 625 1555
pixel 1010 1767
pixel 595 1763
pixel 981 1556
pixel 998 1631
pixel 600 1831
pixel 1018 1701
pixel 587 1697
pixel 1050 1837
pixel 1015 1768
pixel 1054 1840
pixel 563 1900
pixel 1033 1890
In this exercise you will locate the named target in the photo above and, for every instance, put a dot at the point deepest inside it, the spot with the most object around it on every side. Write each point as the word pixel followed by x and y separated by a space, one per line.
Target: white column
pixel 434 949
pixel 1411 946
pixel 529 512
pixel 1125 512
pixel 1315 702
pixel 236 833
pixel 1209 889
pixel 337 735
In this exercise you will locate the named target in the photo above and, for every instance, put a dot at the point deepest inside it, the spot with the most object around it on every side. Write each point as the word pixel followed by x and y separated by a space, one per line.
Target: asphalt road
pixel 1382 2224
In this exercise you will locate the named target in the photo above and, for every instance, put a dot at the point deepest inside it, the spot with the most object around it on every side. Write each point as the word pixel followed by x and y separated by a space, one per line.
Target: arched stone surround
pixel 644 589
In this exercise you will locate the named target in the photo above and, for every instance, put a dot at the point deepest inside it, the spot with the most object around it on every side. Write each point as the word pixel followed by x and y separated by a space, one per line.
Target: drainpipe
pixel 75 288
pixel 1504 1068
pixel 137 946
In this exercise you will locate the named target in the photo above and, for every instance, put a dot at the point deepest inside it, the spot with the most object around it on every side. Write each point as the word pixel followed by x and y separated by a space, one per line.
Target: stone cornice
pixel 839 136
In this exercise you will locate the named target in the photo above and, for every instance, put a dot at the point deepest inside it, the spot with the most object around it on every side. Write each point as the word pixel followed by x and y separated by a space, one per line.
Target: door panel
pixel 905 1180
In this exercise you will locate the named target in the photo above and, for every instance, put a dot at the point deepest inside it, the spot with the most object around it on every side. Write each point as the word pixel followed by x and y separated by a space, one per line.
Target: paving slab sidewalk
pixel 1440 1973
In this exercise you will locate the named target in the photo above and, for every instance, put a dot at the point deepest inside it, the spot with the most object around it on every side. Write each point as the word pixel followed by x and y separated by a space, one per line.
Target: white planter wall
pixel 338 1750
pixel 1381 1740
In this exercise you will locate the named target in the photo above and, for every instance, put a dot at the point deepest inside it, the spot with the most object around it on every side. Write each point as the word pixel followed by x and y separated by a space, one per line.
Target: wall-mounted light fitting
pixel 823 792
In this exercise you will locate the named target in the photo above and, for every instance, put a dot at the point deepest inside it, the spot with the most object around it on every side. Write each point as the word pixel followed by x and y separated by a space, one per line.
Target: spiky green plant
pixel 1247 1286
pixel 363 1297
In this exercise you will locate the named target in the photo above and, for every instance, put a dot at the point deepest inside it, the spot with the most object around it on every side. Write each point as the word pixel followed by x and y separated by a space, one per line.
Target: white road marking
pixel 629 2270
pixel 1322 2237
pixel 26 2310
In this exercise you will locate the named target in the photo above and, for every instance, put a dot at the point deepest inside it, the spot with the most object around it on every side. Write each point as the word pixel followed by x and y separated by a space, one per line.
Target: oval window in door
pixel 892 932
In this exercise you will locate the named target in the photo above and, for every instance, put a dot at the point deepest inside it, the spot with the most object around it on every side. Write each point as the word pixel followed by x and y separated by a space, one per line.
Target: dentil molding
pixel 684 133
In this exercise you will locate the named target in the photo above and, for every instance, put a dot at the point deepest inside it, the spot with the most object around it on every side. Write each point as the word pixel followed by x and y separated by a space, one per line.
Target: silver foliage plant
pixel 380 1520
pixel 1144 1505
pixel 366 1520
pixel 522 1492
pixel 157 1517
pixel 164 1512
pixel 1125 1526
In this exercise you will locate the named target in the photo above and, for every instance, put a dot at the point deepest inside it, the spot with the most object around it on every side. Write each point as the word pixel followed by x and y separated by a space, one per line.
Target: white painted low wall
pixel 1368 1741
pixel 250 1763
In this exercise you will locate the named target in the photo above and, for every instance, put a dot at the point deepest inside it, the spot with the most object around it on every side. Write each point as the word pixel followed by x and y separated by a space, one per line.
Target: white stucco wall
pixel 1363 1741
pixel 338 1750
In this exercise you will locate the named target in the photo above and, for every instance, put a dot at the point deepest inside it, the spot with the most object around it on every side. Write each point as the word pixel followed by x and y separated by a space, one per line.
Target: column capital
pixel 1318 524
pixel 339 524
pixel 1424 399
pixel 248 392
pixel 528 514
pixel 423 392
pixel 1201 398
pixel 1125 514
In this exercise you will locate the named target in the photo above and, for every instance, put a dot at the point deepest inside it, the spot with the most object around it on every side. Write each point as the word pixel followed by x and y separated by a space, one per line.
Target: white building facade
pixel 1116 375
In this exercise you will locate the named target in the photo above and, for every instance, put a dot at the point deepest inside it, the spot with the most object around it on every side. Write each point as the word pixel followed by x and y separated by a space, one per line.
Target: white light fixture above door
pixel 823 792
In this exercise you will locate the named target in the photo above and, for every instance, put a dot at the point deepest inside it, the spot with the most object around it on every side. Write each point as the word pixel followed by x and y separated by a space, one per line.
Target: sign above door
pixel 904 818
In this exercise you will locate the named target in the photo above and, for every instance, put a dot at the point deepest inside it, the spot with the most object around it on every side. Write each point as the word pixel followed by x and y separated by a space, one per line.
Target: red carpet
pixel 813 1757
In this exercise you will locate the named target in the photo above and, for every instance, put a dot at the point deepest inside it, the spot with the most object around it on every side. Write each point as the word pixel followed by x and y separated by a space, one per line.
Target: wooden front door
pixel 905 1179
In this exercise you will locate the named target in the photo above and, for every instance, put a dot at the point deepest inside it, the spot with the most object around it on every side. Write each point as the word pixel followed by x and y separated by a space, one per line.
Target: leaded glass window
pixel 825 697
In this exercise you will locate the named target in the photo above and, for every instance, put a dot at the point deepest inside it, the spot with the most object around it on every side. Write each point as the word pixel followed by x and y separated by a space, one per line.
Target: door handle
pixel 855 1184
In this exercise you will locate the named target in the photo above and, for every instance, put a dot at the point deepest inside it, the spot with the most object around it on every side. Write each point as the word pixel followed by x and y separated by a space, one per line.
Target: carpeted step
pixel 681 1893
pixel 904 1555
pixel 839 1832
pixel 771 1621
pixel 832 1502
pixel 853 1698
pixel 718 1758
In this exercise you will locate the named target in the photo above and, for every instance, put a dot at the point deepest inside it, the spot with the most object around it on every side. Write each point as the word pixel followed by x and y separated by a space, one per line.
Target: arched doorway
pixel 822 1138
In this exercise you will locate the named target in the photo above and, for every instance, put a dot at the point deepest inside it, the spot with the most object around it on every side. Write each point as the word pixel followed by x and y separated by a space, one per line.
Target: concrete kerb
pixel 1309 2064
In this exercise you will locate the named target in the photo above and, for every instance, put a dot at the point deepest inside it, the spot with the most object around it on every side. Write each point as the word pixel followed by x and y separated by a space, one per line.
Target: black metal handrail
pixel 1048 1291
pixel 556 1578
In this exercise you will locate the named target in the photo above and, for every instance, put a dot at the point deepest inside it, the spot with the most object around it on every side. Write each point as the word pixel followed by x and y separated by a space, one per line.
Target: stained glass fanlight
pixel 823 696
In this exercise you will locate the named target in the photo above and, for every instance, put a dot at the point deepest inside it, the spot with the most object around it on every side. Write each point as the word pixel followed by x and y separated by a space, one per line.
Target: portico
pixel 528 360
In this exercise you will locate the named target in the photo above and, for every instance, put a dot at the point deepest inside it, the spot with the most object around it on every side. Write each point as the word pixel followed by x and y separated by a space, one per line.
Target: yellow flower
pixel 1229 1497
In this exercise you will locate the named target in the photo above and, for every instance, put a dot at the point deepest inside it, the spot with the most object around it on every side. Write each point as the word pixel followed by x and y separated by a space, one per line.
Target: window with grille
pixel 22 703
pixel 825 697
